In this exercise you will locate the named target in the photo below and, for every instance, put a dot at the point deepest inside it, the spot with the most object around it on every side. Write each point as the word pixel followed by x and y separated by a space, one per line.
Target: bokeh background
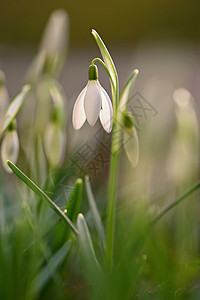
pixel 158 37
pixel 129 21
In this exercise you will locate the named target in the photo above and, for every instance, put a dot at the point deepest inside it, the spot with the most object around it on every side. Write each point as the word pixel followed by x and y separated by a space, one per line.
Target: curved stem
pixel 115 96
pixel 104 65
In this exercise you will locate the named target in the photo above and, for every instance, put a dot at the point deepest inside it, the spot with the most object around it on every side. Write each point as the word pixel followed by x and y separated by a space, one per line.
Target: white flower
pixel 93 102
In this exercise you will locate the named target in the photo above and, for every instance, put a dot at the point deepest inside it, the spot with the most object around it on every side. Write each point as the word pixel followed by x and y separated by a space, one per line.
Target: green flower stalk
pixel 92 102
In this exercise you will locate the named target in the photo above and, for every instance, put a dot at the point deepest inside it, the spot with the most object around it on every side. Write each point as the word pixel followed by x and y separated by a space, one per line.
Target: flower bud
pixel 10 147
pixel 54 144
pixel 131 145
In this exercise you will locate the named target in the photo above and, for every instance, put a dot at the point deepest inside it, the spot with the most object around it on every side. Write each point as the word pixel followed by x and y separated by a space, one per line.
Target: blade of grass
pixel 95 213
pixel 73 203
pixel 14 107
pixel 41 194
pixel 49 270
pixel 187 193
pixel 86 243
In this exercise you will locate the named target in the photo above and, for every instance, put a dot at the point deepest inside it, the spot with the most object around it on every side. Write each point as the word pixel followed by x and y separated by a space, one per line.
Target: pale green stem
pixel 115 97
pixel 112 192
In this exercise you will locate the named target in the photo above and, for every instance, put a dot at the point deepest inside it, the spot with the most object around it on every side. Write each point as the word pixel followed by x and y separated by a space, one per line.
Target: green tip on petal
pixel 92 72
pixel 13 125
pixel 128 120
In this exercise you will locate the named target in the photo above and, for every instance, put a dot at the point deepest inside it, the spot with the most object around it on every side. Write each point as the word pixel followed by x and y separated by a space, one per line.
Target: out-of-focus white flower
pixel 10 148
pixel 93 102
pixel 54 142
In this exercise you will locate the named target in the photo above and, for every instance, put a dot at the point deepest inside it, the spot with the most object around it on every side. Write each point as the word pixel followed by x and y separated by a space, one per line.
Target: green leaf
pixel 41 194
pixel 126 92
pixel 73 203
pixel 14 107
pixel 95 213
pixel 86 243
pixel 107 59
pixel 49 270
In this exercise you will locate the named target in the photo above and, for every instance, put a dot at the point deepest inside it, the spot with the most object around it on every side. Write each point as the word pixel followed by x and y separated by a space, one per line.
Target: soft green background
pixel 22 21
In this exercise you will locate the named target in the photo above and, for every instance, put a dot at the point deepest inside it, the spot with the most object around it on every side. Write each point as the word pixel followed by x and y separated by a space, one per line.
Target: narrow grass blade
pixel 41 194
pixel 49 270
pixel 187 193
pixel 95 213
pixel 73 203
pixel 86 243
pixel 14 107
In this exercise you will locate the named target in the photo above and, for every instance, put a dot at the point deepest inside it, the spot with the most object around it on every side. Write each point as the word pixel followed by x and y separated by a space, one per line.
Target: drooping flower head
pixel 93 102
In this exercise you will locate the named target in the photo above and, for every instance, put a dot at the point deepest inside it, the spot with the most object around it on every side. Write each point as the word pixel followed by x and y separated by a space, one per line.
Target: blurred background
pixel 161 38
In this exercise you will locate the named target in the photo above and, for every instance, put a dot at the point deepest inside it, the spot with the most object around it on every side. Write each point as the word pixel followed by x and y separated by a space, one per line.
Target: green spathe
pixel 92 72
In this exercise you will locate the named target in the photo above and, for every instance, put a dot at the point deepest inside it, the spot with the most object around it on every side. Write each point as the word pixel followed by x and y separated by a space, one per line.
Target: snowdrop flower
pixel 93 102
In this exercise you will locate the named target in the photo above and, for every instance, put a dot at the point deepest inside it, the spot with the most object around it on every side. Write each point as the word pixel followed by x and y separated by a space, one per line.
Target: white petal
pixel 92 102
pixel 131 145
pixel 79 116
pixel 106 113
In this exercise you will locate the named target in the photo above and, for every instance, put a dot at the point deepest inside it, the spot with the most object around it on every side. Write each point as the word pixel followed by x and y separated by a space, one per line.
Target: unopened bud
pixel 131 145
pixel 54 143
pixel 10 148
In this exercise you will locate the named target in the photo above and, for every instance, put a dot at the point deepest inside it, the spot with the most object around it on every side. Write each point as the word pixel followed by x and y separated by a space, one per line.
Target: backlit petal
pixel 131 145
pixel 79 116
pixel 92 102
pixel 106 113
